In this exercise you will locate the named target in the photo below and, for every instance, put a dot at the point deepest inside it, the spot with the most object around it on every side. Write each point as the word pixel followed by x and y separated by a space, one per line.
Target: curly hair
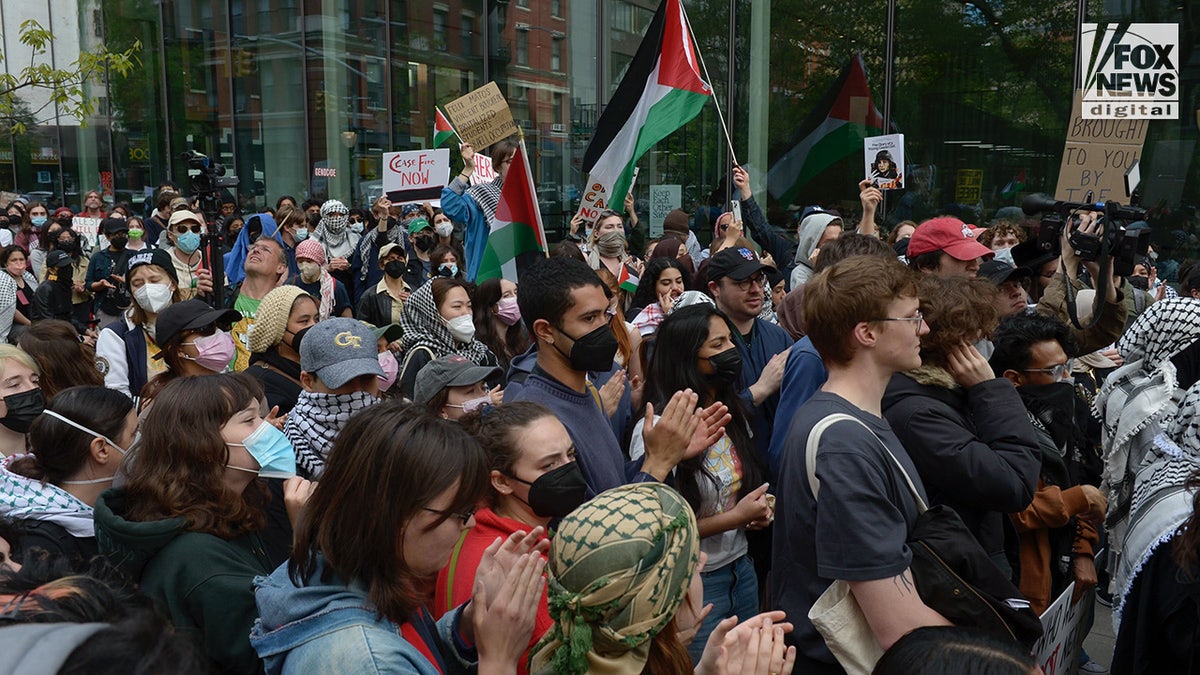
pixel 1000 229
pixel 957 310
pixel 178 468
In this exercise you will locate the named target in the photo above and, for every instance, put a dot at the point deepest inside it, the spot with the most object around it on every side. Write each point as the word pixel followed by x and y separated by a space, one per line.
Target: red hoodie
pixel 455 582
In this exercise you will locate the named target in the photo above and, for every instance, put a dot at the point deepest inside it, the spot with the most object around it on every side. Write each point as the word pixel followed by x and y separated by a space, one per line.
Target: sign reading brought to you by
pixel 482 117
pixel 1096 156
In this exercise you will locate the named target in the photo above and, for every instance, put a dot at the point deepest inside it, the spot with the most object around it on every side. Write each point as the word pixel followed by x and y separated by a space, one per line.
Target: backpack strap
pixel 814 440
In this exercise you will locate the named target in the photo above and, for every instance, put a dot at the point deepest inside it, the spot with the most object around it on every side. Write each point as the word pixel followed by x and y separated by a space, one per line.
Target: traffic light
pixel 244 63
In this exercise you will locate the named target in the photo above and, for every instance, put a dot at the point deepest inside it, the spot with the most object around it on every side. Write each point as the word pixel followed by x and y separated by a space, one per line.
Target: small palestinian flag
pixel 627 280
pixel 442 131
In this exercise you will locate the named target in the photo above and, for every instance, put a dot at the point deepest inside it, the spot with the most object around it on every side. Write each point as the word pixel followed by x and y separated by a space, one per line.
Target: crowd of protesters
pixel 342 452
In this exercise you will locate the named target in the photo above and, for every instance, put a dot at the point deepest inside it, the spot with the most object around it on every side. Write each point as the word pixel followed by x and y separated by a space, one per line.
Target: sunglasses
pixel 182 229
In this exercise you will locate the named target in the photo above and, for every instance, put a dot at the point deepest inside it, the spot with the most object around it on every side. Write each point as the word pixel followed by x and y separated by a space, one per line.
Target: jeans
pixel 732 589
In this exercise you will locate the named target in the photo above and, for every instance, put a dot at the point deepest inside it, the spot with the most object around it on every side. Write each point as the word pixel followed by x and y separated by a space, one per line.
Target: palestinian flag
pixel 833 131
pixel 627 280
pixel 1017 184
pixel 517 237
pixel 661 91
pixel 442 131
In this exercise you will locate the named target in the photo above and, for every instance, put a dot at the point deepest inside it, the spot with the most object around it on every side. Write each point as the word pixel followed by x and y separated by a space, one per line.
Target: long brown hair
pixel 63 361
pixel 617 323
pixel 387 464
pixel 178 467
pixel 667 655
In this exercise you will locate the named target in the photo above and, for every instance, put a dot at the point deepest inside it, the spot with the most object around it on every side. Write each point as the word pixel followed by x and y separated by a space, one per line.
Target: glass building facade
pixel 277 89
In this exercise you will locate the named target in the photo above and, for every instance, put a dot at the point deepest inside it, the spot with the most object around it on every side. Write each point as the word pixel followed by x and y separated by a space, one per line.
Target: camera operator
pixel 1054 299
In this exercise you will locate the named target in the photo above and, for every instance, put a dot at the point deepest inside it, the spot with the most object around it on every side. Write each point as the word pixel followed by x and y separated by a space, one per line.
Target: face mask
pixel 69 246
pixel 1054 406
pixel 336 222
pixel 214 352
pixel 309 271
pixel 153 298
pixel 301 233
pixel 135 233
pixel 188 242
pixel 38 222
pixel 356 228
pixel 474 404
pixel 556 493
pixel 423 244
pixel 23 408
pixel 387 361
pixel 727 365
pixel 444 228
pixel 271 449
pixel 394 269
pixel 448 269
pixel 509 311
pixel 462 328
pixel 594 351
pixel 119 242
pixel 1153 255
pixel 88 431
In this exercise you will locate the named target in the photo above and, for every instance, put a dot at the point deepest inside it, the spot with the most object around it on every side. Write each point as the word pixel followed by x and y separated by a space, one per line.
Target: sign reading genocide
pixel 1097 154
pixel 482 117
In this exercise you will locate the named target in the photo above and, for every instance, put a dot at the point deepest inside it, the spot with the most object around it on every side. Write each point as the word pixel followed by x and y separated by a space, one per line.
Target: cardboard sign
pixel 1062 634
pixel 1096 156
pixel 968 186
pixel 663 200
pixel 484 171
pixel 415 175
pixel 482 117
pixel 883 157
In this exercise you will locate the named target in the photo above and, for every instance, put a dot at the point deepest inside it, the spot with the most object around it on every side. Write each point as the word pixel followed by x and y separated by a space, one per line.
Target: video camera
pixel 207 186
pixel 1124 246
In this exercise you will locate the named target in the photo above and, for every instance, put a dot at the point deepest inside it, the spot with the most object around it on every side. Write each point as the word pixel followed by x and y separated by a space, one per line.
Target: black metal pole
pixel 888 78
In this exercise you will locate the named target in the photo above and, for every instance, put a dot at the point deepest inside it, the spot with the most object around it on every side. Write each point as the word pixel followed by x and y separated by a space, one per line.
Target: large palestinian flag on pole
pixel 661 91
pixel 833 131
pixel 517 237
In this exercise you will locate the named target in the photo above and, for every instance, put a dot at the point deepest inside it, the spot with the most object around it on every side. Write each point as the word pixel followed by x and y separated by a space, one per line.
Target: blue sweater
pixel 803 376
pixel 766 340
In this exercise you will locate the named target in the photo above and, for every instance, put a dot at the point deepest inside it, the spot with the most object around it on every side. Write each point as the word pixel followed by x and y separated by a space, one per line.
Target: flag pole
pixel 711 90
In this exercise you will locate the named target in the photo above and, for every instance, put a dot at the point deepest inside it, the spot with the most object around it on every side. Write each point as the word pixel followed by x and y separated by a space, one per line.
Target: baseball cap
pixel 181 317
pixel 62 212
pixel 154 256
pixel 184 216
pixel 951 235
pixel 388 248
pixel 391 332
pixel 178 203
pixel 58 259
pixel 111 225
pixel 738 264
pixel 338 350
pixel 417 224
pixel 999 271
pixel 453 370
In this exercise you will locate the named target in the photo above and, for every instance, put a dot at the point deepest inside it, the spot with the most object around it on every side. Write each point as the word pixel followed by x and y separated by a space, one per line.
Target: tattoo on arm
pixel 903 582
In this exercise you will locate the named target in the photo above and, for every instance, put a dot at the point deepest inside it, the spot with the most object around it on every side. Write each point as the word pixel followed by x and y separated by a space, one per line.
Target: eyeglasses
pixel 464 517
pixel 182 229
pixel 917 319
pixel 355 219
pixel 1057 371
pixel 744 284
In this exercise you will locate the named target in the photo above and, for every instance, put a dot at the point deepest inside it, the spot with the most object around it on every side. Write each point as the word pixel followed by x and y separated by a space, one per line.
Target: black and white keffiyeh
pixel 334 230
pixel 424 327
pixel 487 196
pixel 317 418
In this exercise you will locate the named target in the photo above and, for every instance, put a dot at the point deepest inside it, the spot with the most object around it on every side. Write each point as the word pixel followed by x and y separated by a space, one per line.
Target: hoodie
pixel 811 230
pixel 329 626
pixel 27 499
pixel 39 648
pixel 203 582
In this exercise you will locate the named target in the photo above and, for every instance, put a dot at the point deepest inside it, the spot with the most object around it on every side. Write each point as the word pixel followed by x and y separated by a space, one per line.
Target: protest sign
pixel 968 186
pixel 1062 634
pixel 1096 155
pixel 415 175
pixel 484 171
pixel 883 157
pixel 482 117
pixel 663 200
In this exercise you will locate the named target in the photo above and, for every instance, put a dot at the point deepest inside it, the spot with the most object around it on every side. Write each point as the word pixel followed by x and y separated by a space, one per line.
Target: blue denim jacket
pixel 333 627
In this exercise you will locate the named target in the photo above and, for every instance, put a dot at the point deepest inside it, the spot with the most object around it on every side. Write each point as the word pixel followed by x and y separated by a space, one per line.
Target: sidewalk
pixel 1099 642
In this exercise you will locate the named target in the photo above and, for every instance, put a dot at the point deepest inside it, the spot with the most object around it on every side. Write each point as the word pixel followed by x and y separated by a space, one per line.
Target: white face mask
pixel 462 328
pixel 309 271
pixel 444 228
pixel 153 298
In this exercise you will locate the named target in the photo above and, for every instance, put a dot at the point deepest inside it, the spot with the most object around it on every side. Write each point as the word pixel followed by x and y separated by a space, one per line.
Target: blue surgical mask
pixel 301 233
pixel 271 449
pixel 356 228
pixel 448 269
pixel 188 242
pixel 38 222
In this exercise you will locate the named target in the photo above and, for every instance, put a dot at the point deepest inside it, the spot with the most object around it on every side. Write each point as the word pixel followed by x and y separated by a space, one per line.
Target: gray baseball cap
pixel 453 370
pixel 339 350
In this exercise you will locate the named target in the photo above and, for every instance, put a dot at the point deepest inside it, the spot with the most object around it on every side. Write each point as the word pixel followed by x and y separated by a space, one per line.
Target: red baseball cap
pixel 951 235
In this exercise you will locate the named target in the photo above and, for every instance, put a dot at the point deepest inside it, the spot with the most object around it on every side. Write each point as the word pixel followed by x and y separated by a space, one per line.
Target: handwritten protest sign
pixel 415 175
pixel 1097 154
pixel 663 200
pixel 1062 637
pixel 482 117
pixel 484 171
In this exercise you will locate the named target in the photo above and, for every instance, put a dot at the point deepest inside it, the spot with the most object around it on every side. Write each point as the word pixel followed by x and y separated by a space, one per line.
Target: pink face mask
pixel 387 361
pixel 508 311
pixel 214 352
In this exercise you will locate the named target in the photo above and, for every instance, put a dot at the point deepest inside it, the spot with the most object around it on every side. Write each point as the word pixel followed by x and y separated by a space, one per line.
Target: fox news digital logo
pixel 1130 71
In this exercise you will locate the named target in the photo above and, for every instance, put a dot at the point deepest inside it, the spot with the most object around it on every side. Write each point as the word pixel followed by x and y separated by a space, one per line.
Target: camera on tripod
pixel 207 184
pixel 1125 247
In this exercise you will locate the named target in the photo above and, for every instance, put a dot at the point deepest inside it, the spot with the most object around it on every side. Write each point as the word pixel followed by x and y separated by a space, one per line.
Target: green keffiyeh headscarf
pixel 619 568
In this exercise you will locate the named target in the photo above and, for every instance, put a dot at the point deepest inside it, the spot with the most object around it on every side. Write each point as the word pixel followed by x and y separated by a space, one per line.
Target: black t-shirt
pixel 858 529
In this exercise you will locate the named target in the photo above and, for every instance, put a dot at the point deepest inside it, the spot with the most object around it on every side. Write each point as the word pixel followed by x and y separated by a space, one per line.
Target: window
pixel 523 4
pixel 556 55
pixel 468 35
pixel 439 29
pixel 555 7
pixel 522 48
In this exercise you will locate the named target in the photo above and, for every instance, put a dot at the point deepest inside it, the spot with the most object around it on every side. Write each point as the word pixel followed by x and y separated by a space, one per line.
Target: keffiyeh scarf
pixel 487 196
pixel 316 420
pixel 424 327
pixel 26 498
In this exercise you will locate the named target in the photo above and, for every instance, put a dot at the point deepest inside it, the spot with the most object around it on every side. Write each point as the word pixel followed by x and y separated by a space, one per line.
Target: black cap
pixel 189 315
pixel 155 256
pixel 58 258
pixel 998 271
pixel 738 263
pixel 111 225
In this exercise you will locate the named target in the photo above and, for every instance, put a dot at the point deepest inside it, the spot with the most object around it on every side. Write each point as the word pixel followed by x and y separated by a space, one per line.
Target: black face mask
pixel 68 246
pixel 558 492
pixel 65 277
pixel 727 365
pixel 594 351
pixel 1054 406
pixel 119 242
pixel 23 408
pixel 394 269
pixel 423 243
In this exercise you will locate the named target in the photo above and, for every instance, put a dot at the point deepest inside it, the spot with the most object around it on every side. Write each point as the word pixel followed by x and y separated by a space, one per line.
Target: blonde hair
pixel 13 352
